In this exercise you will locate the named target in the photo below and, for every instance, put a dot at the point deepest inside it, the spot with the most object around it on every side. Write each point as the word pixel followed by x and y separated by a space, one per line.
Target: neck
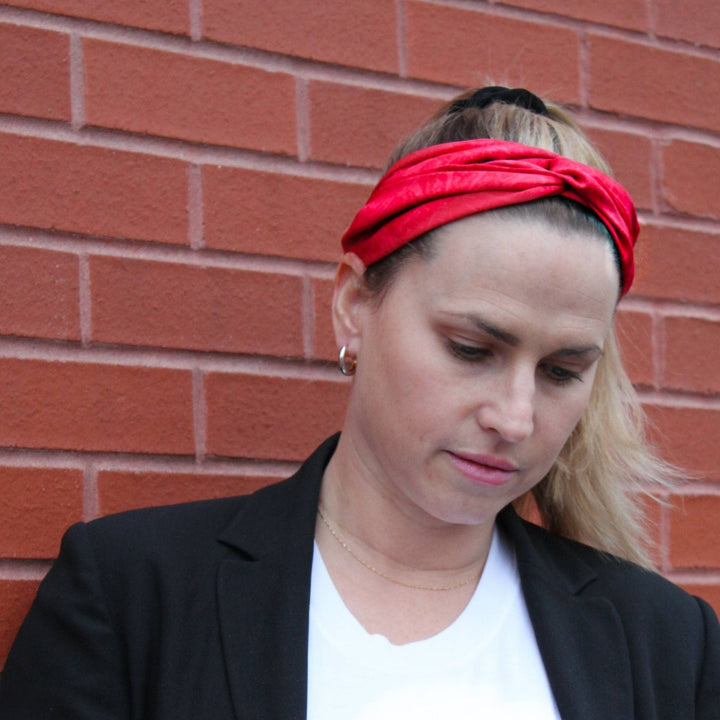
pixel 390 533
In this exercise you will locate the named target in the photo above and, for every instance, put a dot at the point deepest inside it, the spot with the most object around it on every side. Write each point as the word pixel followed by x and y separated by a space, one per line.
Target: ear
pixel 350 300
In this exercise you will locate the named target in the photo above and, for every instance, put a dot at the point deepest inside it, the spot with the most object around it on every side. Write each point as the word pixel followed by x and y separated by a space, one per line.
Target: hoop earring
pixel 346 362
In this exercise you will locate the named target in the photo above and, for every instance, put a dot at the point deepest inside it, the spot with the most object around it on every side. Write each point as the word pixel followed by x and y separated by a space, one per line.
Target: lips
pixel 484 469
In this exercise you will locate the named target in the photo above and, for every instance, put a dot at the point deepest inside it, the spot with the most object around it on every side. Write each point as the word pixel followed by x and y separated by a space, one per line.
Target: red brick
pixel 139 302
pixel 697 21
pixel 61 186
pixel 120 491
pixel 692 349
pixel 709 593
pixel 270 417
pixel 665 85
pixel 323 337
pixel 357 126
pixel 170 16
pixel 678 265
pixel 38 505
pixel 34 72
pixel 274 214
pixel 695 532
pixel 688 437
pixel 16 596
pixel 161 93
pixel 630 157
pixel 626 14
pixel 39 293
pixel 360 33
pixel 76 406
pixel 635 335
pixel 473 48
pixel 690 173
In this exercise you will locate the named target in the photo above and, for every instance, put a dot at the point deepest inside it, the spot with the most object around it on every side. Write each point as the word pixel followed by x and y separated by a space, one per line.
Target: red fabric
pixel 442 183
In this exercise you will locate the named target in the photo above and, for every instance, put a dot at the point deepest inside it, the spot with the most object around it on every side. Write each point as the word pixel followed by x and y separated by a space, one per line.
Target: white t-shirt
pixel 485 664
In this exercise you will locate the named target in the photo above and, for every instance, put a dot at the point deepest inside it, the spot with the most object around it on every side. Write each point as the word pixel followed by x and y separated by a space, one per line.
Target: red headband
pixel 442 183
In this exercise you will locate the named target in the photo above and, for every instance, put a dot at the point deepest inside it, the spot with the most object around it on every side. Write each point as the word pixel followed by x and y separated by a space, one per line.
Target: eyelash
pixel 555 373
pixel 566 376
pixel 470 353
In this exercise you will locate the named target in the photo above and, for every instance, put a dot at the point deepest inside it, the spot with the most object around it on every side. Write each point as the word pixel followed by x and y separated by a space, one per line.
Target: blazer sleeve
pixel 67 660
pixel 708 693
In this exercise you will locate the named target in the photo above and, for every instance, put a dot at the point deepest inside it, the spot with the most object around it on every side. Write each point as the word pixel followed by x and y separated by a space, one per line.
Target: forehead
pixel 520 262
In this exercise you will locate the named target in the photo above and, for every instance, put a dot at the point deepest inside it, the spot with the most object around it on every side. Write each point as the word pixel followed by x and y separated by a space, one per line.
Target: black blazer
pixel 200 611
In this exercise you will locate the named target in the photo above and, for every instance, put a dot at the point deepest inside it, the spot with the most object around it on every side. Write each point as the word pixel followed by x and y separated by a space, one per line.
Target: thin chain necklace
pixel 345 546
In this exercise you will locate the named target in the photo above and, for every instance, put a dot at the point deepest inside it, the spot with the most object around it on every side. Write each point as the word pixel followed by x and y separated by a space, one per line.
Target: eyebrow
pixel 580 351
pixel 493 331
pixel 513 341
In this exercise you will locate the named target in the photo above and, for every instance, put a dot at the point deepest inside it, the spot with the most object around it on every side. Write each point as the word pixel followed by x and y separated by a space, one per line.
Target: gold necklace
pixel 345 546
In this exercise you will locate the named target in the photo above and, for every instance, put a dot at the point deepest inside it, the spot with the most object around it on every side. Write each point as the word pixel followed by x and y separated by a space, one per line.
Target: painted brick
pixel 62 186
pixel 170 16
pixel 77 406
pixel 120 491
pixel 352 125
pixel 161 93
pixel 687 437
pixel 323 335
pixel 665 85
pixel 692 349
pixel 270 417
pixel 361 33
pixel 695 532
pixel 678 265
pixel 697 21
pixel 37 506
pixel 690 172
pixel 171 305
pixel 16 596
pixel 474 48
pixel 635 335
pixel 709 593
pixel 274 214
pixel 626 14
pixel 39 293
pixel 34 72
pixel 630 157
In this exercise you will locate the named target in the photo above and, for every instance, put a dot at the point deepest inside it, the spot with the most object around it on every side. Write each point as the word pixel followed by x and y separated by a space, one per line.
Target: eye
pixel 467 352
pixel 560 375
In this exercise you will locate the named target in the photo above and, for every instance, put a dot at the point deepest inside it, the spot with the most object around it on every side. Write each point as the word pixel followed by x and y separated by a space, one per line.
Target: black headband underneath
pixel 489 95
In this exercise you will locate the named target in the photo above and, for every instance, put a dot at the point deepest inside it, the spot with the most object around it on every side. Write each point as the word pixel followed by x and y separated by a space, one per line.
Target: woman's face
pixel 476 365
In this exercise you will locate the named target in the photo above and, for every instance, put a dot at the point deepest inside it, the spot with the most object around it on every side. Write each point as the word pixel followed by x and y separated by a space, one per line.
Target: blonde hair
pixel 596 489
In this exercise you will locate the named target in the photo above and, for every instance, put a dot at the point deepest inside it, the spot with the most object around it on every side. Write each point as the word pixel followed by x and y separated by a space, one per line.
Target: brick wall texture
pixel 174 179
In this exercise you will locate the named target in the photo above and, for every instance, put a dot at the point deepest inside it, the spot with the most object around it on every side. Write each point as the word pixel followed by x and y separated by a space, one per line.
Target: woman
pixel 391 576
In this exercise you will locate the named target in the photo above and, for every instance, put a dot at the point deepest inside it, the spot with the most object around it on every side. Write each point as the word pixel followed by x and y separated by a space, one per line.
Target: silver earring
pixel 346 362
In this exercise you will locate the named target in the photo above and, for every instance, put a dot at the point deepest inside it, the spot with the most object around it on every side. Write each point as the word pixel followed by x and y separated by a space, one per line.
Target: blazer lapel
pixel 264 598
pixel 580 635
pixel 264 595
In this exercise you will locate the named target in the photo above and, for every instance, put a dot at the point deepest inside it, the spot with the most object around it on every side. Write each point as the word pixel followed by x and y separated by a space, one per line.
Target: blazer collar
pixel 264 594
pixel 264 601
pixel 579 631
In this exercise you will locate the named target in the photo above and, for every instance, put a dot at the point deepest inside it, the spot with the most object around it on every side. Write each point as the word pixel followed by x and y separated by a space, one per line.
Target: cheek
pixel 417 388
pixel 562 417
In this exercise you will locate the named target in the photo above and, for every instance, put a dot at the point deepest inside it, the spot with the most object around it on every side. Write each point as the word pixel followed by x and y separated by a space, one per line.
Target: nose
pixel 509 407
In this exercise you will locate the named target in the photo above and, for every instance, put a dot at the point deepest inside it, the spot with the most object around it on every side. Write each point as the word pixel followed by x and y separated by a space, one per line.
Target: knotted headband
pixel 443 183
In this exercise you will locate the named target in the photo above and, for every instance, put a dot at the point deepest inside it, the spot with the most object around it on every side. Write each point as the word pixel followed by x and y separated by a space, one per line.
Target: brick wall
pixel 174 178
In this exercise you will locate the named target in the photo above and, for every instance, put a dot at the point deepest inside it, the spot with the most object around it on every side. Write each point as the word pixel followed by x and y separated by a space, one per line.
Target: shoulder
pixel 188 528
pixel 670 638
pixel 195 537
pixel 644 599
